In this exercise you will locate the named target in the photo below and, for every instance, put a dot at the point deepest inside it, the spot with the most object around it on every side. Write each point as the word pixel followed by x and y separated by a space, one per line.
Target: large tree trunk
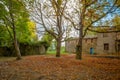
pixel 58 48
pixel 79 49
pixel 79 45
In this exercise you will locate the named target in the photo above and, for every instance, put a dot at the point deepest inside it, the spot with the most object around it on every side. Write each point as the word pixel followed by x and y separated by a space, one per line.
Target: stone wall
pixel 98 43
pixel 25 50
pixel 70 45
pixel 106 38
pixel 89 43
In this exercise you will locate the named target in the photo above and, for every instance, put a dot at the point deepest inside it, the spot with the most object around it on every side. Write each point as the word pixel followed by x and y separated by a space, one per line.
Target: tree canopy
pixel 25 28
pixel 15 17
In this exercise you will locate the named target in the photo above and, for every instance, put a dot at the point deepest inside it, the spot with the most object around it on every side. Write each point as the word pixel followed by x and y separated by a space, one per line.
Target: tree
pixel 26 32
pixel 49 14
pixel 47 38
pixel 5 38
pixel 32 28
pixel 11 12
pixel 86 14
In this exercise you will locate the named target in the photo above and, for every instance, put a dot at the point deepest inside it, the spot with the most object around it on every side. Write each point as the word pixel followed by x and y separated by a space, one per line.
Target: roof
pixel 90 36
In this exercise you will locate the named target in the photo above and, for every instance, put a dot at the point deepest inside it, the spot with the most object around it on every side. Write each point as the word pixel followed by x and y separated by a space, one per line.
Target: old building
pixel 106 43
pixel 88 42
pixel 101 43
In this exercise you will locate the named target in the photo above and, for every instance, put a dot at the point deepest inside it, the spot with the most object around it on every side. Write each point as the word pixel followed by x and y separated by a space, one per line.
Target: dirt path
pixel 64 68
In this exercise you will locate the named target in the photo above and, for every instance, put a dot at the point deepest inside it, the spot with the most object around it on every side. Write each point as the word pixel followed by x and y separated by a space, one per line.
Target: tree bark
pixel 17 50
pixel 81 25
pixel 79 45
pixel 58 48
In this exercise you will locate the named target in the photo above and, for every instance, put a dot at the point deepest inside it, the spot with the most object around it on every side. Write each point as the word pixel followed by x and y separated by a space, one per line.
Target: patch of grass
pixel 7 58
pixel 54 51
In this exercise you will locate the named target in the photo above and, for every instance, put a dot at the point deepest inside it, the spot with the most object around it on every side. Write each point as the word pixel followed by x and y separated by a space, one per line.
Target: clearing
pixel 41 67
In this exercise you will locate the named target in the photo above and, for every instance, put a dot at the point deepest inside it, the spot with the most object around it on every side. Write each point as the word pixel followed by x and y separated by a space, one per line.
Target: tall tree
pixel 11 12
pixel 86 14
pixel 49 14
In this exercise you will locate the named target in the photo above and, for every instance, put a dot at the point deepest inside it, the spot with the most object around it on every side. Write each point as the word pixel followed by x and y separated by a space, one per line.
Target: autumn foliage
pixel 64 68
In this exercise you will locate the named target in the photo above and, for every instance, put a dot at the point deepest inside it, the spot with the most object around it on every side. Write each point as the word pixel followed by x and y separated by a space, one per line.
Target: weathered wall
pixel 113 39
pixel 87 44
pixel 106 38
pixel 70 45
pixel 25 50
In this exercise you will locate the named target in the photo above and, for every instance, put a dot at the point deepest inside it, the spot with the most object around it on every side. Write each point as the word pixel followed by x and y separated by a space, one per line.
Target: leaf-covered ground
pixel 64 68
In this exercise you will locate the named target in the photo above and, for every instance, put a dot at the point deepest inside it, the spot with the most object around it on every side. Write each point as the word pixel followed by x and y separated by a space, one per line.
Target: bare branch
pixel 49 31
pixel 70 19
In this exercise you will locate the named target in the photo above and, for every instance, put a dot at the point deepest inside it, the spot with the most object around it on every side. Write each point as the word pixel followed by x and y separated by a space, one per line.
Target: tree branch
pixel 49 31
pixel 109 11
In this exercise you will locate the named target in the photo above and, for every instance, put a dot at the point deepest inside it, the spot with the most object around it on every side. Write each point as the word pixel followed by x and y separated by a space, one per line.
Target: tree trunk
pixel 79 45
pixel 79 49
pixel 17 50
pixel 58 48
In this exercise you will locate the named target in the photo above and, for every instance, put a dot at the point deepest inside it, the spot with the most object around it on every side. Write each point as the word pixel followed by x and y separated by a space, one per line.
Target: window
pixel 86 40
pixel 106 46
pixel 91 40
pixel 105 35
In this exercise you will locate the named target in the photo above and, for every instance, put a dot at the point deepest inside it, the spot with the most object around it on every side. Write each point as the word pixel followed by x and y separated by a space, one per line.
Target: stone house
pixel 106 43
pixel 102 43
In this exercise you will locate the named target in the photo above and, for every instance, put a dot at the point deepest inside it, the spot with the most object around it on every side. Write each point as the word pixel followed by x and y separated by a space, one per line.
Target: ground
pixel 41 67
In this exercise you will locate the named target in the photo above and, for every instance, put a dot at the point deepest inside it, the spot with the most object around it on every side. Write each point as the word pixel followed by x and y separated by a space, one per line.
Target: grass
pixel 7 58
pixel 54 51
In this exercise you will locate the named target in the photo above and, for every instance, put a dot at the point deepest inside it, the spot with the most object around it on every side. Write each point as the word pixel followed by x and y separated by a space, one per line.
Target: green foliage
pixel 46 40
pixel 26 33
pixel 25 29
pixel 5 39
pixel 59 2
pixel 45 44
